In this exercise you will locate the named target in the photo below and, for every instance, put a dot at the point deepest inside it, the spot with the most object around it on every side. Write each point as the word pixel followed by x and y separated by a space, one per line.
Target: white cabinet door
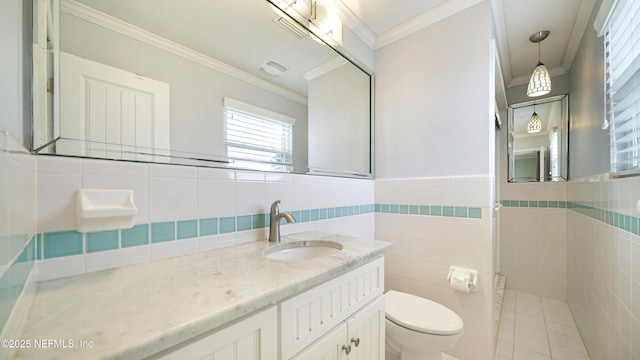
pixel 306 317
pixel 366 332
pixel 361 337
pixel 254 338
pixel 329 347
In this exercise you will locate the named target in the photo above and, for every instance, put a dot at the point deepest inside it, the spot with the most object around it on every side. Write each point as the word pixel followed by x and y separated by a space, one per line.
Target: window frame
pixel 246 141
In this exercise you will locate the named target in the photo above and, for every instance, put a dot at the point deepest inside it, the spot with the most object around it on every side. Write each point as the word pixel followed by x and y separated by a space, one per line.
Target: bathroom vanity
pixel 231 302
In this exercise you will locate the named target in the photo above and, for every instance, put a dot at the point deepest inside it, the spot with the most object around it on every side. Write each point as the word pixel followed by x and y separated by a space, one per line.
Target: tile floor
pixel 534 327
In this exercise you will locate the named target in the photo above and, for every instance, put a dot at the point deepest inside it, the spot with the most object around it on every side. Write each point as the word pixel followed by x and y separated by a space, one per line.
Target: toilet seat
pixel 421 315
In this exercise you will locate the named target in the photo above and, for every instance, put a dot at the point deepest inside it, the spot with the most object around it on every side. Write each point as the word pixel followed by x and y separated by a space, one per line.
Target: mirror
pixel 539 152
pixel 148 80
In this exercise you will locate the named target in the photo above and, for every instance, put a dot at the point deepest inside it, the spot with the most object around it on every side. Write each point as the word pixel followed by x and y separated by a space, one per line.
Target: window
pixel 257 138
pixel 622 84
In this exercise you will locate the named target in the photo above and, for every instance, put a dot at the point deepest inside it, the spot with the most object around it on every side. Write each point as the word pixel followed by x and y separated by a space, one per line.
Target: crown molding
pixel 423 20
pixel 584 13
pixel 502 44
pixel 353 23
pixel 602 16
pixel 324 68
pixel 109 22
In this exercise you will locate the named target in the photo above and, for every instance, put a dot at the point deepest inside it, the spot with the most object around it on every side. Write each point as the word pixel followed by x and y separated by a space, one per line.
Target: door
pixel 366 332
pixel 45 43
pixel 329 347
pixel 361 337
pixel 107 112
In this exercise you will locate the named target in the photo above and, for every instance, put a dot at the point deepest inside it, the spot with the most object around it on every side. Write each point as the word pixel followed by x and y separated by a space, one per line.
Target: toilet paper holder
pixel 463 279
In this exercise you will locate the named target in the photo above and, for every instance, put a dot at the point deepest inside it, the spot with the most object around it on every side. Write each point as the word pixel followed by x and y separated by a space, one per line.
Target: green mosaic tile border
pixel 69 243
pixel 430 210
pixel 621 221
pixel 552 204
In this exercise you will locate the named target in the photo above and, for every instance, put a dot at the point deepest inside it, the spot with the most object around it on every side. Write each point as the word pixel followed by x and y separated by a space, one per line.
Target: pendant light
pixel 535 124
pixel 540 82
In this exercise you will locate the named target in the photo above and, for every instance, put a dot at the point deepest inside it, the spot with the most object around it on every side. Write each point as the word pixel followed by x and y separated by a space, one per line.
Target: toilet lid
pixel 420 314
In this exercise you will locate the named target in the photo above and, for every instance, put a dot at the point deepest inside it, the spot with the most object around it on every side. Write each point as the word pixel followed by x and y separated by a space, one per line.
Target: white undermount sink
pixel 301 250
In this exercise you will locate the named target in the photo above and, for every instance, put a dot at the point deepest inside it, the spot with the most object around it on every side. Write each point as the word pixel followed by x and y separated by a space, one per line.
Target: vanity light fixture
pixel 325 24
pixel 317 15
pixel 535 124
pixel 300 10
pixel 540 82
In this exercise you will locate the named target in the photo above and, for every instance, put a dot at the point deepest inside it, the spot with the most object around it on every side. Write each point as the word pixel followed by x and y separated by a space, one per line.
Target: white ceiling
pixel 516 20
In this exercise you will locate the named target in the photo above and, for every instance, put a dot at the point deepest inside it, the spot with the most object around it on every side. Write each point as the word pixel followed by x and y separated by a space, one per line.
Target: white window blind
pixel 257 138
pixel 622 84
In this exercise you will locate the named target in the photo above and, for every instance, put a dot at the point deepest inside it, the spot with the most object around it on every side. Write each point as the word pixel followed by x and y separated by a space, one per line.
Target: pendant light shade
pixel 540 82
pixel 534 125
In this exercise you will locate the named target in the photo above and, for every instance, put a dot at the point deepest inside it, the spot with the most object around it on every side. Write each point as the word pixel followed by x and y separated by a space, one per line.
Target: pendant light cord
pixel 539 62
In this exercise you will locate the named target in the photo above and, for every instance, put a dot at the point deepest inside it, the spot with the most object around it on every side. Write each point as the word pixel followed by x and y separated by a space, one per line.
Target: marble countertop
pixel 136 311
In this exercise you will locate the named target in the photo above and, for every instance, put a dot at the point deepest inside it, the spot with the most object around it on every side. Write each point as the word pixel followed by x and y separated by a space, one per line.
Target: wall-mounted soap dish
pixel 104 209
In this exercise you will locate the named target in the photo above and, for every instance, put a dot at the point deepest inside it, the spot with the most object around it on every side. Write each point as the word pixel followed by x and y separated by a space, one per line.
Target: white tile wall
pixel 533 240
pixel 169 193
pixel 173 192
pixel 472 191
pixel 533 250
pixel 216 192
pixel 17 229
pixel 603 275
pixel 58 180
pixel 425 246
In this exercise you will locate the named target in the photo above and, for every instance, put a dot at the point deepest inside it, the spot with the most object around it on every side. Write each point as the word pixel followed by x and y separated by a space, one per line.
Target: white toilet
pixel 418 328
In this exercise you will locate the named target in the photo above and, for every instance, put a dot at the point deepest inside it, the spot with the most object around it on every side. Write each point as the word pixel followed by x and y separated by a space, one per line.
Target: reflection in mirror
pixel 538 140
pixel 152 80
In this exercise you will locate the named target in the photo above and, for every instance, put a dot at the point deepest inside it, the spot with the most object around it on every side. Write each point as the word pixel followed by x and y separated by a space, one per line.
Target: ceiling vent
pixel 273 67
pixel 291 26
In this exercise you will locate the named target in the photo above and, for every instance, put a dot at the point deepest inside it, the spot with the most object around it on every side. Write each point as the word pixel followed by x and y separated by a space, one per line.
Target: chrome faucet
pixel 274 221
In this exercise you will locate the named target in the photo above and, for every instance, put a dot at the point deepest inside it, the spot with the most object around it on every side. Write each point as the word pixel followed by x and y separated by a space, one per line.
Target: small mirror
pixel 538 140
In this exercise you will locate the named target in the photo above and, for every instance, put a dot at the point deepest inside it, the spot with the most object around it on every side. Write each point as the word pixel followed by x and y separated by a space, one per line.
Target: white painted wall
pixel 432 101
pixel 338 133
pixel 588 144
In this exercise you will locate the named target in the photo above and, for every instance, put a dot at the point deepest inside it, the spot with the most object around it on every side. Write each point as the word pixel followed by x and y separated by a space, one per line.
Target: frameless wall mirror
pixel 538 140
pixel 225 83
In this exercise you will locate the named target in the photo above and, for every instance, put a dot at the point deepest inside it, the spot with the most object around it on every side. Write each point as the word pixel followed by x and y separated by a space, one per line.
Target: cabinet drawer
pixel 306 317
